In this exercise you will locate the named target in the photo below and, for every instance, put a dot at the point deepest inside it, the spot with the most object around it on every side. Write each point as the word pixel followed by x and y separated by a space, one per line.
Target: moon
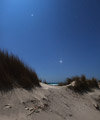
pixel 61 61
pixel 32 15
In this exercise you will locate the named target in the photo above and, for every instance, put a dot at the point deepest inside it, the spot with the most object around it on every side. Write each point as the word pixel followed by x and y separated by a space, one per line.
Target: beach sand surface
pixel 49 103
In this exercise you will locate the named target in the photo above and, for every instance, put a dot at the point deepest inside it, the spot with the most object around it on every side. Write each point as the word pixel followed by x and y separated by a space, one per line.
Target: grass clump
pixel 66 82
pixel 81 83
pixel 62 84
pixel 14 73
pixel 45 82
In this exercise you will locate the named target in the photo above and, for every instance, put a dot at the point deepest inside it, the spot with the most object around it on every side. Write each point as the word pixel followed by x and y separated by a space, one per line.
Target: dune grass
pixel 81 83
pixel 14 73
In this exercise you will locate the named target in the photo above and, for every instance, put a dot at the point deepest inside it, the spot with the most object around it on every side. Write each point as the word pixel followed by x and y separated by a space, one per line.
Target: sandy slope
pixel 49 103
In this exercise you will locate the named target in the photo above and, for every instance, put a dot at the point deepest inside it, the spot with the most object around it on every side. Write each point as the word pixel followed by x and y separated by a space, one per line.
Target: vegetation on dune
pixel 45 82
pixel 14 73
pixel 81 83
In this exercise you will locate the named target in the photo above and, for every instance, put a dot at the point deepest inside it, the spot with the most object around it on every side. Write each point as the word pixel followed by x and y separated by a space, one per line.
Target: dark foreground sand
pixel 49 103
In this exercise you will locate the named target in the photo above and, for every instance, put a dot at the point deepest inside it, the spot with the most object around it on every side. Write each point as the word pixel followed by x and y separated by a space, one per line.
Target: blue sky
pixel 43 32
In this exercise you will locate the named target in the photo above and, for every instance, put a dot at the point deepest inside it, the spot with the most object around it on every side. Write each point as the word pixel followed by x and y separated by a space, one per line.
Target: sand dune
pixel 49 103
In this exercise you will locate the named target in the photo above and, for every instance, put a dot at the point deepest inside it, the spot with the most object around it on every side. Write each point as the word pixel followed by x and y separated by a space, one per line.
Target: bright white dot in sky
pixel 61 61
pixel 32 15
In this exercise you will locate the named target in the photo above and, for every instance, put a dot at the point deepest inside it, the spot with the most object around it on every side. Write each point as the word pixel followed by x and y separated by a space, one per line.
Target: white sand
pixel 49 103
